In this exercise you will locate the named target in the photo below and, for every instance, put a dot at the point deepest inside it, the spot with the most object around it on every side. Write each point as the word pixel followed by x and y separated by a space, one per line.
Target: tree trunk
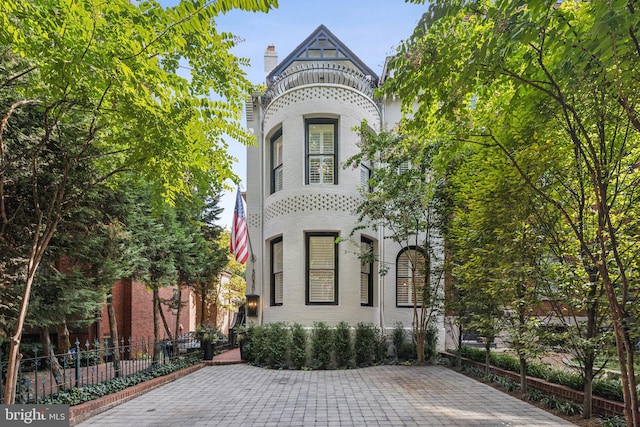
pixel 203 304
pixel 113 331
pixel 459 355
pixel 58 373
pixel 420 339
pixel 624 349
pixel 487 356
pixel 178 312
pixel 156 326
pixel 589 355
pixel 214 314
pixel 588 392
pixel 14 350
pixel 167 330
pixel 64 331
pixel 523 375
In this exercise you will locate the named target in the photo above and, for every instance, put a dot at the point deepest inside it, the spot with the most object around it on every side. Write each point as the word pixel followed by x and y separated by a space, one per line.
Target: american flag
pixel 239 237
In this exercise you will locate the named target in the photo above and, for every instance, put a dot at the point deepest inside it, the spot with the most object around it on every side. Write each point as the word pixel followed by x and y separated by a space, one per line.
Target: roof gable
pixel 322 45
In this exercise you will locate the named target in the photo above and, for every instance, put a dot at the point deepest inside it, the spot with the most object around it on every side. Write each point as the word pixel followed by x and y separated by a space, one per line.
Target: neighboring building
pixel 133 307
pixel 300 198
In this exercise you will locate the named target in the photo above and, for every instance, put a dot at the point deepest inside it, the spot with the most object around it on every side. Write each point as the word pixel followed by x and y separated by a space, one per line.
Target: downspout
pixel 261 225
pixel 381 278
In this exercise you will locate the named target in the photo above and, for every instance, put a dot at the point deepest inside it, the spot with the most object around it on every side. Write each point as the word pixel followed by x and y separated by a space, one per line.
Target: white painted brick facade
pixel 300 208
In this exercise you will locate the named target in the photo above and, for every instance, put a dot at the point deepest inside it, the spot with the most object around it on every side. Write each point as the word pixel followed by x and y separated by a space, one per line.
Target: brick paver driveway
pixel 242 395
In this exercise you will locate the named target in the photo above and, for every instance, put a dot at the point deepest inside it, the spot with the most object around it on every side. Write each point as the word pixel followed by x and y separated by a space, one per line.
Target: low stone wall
pixel 601 406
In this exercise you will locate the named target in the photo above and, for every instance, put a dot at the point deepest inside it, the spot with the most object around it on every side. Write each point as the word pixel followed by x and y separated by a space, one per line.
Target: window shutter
pixel 322 269
pixel 321 153
pixel 405 283
pixel 322 252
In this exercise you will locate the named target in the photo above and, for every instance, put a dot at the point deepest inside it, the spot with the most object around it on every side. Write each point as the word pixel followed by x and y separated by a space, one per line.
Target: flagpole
pixel 244 252
pixel 252 258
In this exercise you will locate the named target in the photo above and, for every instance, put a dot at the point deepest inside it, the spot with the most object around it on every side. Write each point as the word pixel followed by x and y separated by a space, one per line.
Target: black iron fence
pixel 86 364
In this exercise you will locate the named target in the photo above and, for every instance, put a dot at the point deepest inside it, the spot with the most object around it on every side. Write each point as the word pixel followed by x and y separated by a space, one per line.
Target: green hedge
pixel 279 346
pixel 606 388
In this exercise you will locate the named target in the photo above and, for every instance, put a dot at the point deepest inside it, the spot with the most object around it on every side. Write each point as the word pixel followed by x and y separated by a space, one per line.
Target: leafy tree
pixel 401 200
pixel 498 250
pixel 520 76
pixel 103 80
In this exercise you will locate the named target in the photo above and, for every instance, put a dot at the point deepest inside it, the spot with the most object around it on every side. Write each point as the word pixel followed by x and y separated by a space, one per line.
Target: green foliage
pixel 277 337
pixel 404 348
pixel 368 345
pixel 525 105
pixel 402 197
pixel 267 345
pixel 608 388
pixel 209 332
pixel 613 422
pixel 253 350
pixel 343 345
pixel 398 337
pixel 550 401
pixel 321 345
pixel 534 395
pixel 75 396
pixel 91 90
pixel 569 379
pixel 298 351
pixel 431 341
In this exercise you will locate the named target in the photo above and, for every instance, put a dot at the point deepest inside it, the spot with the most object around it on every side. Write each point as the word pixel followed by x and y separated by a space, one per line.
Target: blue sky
pixel 372 29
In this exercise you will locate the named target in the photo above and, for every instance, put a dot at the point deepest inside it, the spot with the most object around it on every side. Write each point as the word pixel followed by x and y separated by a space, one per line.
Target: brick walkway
pixel 243 395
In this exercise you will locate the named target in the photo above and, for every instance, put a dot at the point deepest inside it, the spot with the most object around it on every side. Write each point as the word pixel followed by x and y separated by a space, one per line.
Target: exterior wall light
pixel 252 305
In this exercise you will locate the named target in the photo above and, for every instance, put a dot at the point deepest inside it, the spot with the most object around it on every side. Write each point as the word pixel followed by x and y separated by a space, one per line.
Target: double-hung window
pixel 410 270
pixel 366 273
pixel 321 268
pixel 276 271
pixel 365 176
pixel 321 151
pixel 276 162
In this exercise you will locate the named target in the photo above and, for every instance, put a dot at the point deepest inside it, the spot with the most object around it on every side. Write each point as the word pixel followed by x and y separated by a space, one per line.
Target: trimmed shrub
pixel 298 353
pixel 408 351
pixel 248 344
pixel 343 345
pixel 399 339
pixel 321 346
pixel 278 340
pixel 367 344
pixel 430 342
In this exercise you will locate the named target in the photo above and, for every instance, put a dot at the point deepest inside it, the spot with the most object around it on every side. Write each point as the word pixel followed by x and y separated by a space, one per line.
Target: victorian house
pixel 300 198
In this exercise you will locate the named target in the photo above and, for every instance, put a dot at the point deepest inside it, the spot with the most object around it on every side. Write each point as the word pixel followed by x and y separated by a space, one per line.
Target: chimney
pixel 270 59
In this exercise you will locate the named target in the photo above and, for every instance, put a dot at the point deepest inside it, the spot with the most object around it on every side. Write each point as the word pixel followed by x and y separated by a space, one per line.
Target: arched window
pixel 410 271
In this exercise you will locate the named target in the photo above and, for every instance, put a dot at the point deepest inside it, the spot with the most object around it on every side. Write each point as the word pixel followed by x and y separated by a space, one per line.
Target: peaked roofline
pixel 294 55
